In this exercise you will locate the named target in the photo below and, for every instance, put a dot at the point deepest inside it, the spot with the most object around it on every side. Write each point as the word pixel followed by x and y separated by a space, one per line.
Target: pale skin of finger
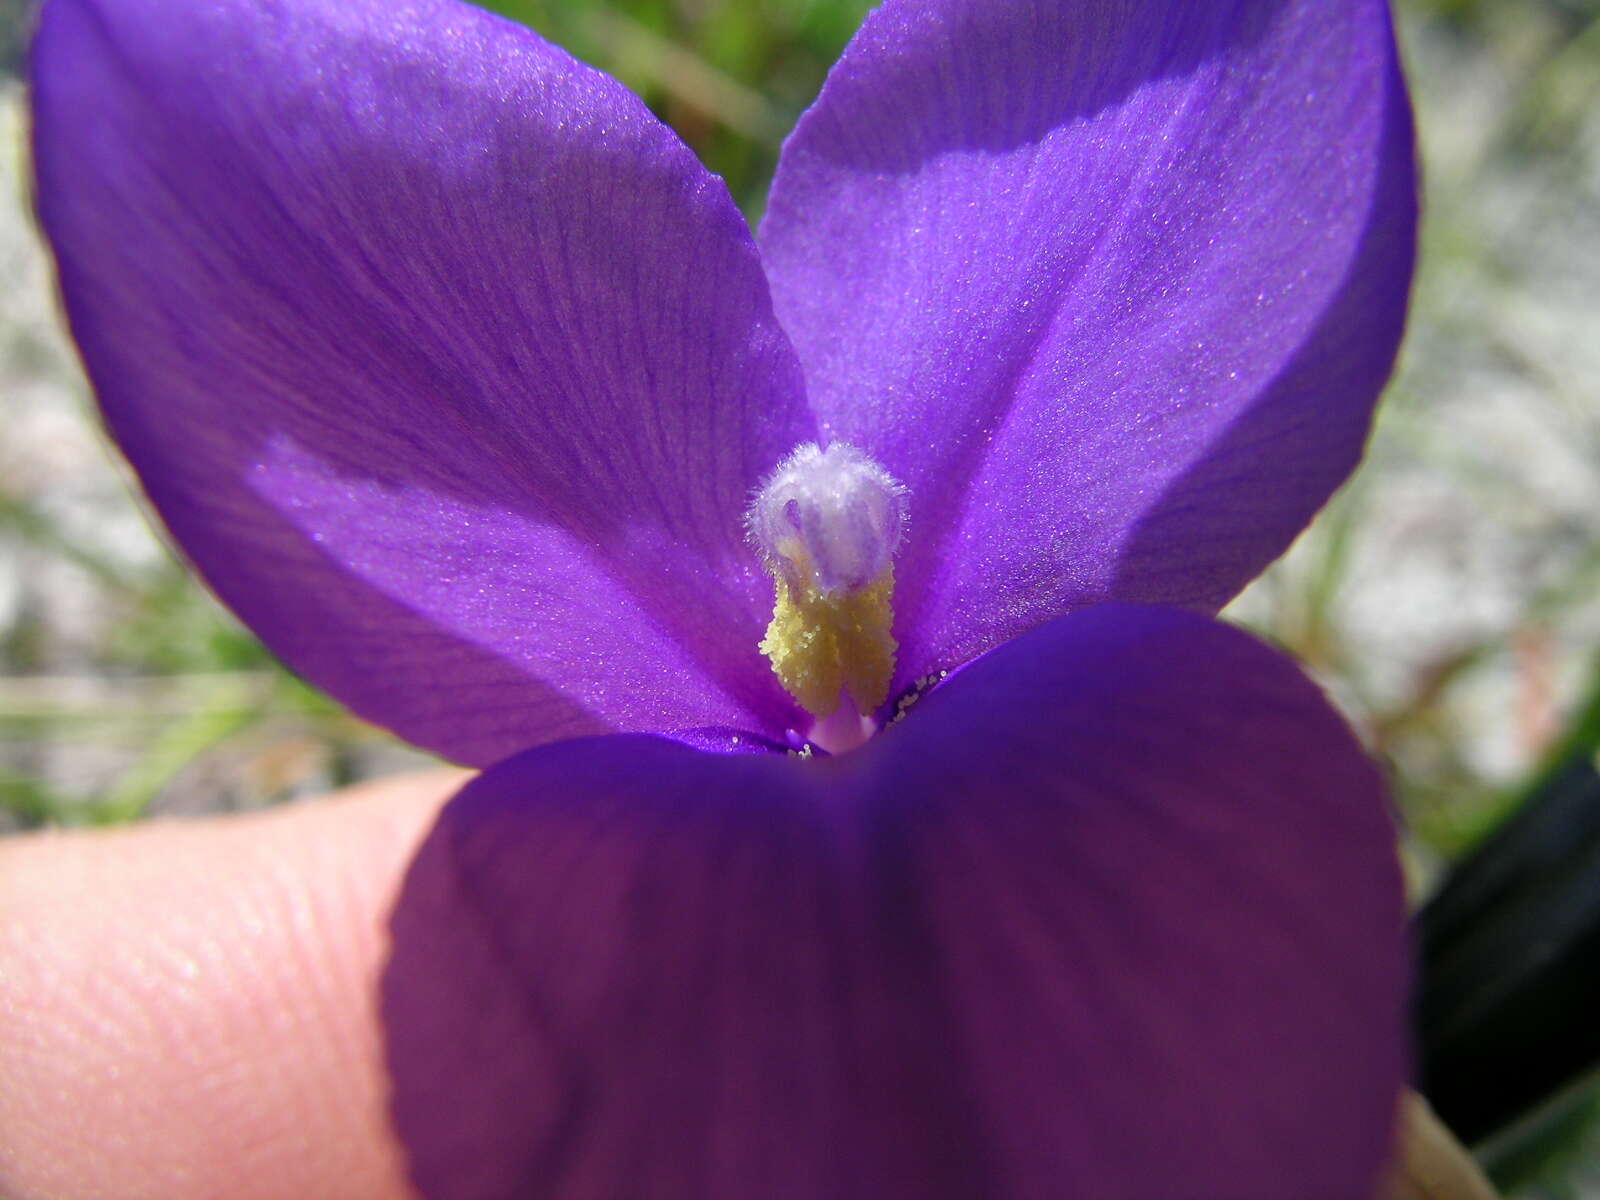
pixel 1429 1163
pixel 187 1010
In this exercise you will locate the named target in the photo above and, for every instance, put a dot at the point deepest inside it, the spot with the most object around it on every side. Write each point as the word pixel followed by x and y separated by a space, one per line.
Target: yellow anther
pixel 823 644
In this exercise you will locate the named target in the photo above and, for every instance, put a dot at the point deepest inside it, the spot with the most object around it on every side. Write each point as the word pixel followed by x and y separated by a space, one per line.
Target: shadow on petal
pixel 1111 287
pixel 454 333
pixel 1221 522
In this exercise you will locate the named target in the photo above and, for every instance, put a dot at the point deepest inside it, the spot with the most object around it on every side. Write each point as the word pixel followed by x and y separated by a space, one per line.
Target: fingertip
pixel 188 1009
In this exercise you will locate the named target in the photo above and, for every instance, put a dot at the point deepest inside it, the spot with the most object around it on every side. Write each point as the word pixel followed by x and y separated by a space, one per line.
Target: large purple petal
pixel 446 363
pixel 1111 285
pixel 1114 912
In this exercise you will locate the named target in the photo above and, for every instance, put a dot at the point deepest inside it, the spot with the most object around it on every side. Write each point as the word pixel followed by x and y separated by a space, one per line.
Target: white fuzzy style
pixel 832 515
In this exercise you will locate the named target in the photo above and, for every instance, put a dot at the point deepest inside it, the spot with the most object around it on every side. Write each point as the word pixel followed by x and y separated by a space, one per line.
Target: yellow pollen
pixel 823 643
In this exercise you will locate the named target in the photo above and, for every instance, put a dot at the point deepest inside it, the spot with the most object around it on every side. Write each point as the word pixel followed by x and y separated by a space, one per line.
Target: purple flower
pixel 467 387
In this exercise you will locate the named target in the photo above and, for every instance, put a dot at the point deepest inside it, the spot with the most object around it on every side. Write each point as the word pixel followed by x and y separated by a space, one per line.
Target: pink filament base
pixel 844 729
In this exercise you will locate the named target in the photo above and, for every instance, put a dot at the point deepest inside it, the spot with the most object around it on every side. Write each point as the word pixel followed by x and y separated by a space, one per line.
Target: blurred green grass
pixel 730 76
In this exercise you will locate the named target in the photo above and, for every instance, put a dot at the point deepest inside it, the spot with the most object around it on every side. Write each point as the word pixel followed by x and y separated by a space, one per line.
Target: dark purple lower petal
pixel 1114 912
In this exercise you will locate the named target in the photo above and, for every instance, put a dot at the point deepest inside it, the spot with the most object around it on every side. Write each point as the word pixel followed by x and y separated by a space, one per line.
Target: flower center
pixel 827 524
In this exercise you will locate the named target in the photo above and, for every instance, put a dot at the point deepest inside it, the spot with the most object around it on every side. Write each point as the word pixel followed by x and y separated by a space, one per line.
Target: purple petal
pixel 1113 912
pixel 1111 286
pixel 446 363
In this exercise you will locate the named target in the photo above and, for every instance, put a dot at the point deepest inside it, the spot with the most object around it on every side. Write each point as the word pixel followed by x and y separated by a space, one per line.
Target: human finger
pixel 187 1009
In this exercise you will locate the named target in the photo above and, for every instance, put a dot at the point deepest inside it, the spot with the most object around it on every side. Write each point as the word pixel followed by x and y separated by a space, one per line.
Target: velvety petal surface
pixel 446 363
pixel 1113 912
pixel 1111 286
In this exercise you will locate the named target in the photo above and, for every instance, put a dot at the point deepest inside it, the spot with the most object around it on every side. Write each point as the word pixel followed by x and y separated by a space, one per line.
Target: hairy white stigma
pixel 833 515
